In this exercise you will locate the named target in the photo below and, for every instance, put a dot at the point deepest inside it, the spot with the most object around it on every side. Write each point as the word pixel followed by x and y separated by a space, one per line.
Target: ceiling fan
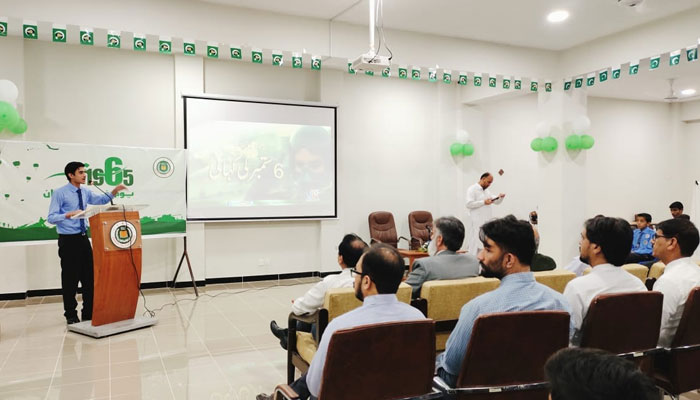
pixel 673 96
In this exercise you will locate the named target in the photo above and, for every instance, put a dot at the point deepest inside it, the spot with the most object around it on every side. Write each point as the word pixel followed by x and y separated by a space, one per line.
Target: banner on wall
pixel 30 171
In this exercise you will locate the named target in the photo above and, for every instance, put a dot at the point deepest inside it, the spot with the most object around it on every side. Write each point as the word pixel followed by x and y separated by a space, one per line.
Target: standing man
pixel 479 200
pixel 73 245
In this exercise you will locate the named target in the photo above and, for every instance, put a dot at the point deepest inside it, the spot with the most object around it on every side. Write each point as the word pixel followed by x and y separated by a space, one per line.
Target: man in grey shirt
pixel 444 262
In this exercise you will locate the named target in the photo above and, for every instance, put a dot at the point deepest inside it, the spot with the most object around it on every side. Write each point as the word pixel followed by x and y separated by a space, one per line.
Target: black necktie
pixel 80 204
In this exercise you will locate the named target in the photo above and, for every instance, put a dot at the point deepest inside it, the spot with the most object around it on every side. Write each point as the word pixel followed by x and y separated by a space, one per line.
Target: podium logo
pixel 163 167
pixel 113 174
pixel 123 234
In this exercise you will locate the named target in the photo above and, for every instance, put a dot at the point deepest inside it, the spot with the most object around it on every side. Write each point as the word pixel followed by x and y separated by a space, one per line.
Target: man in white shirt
pixel 479 201
pixel 376 279
pixel 350 250
pixel 676 240
pixel 605 244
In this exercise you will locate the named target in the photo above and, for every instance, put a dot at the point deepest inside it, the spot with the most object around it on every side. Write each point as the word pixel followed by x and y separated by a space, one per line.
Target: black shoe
pixel 87 318
pixel 263 396
pixel 284 342
pixel 277 331
pixel 72 320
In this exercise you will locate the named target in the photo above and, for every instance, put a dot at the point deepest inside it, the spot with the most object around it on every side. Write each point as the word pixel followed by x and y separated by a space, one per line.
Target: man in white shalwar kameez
pixel 479 201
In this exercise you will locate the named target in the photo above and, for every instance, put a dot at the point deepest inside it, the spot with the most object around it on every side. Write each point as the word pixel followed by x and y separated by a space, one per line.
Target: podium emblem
pixel 163 167
pixel 123 234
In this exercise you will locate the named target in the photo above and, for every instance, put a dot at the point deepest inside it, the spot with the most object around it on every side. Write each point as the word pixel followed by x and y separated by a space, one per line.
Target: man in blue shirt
pixel 73 245
pixel 642 246
pixel 509 245
pixel 378 275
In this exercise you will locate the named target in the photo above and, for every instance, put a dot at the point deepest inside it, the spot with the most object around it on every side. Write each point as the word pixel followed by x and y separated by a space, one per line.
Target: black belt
pixel 72 235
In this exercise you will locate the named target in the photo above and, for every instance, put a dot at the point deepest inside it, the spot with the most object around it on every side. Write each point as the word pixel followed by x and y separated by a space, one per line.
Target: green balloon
pixel 456 149
pixel 20 127
pixel 549 144
pixel 468 149
pixel 8 115
pixel 573 142
pixel 587 141
pixel 536 144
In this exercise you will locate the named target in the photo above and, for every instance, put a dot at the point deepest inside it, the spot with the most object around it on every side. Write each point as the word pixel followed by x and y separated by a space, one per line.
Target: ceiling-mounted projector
pixel 630 3
pixel 371 62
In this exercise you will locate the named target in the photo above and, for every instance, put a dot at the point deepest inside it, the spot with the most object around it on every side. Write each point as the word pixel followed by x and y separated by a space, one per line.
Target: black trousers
pixel 76 266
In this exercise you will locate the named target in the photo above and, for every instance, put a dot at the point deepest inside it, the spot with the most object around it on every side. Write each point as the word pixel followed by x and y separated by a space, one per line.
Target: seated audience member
pixel 592 374
pixel 444 262
pixel 676 240
pixel 540 262
pixel 376 279
pixel 349 251
pixel 641 240
pixel 684 216
pixel 604 245
pixel 577 266
pixel 676 209
pixel 508 247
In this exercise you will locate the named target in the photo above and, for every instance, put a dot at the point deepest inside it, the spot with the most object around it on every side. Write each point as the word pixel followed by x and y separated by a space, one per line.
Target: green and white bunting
pixel 30 30
pixel 277 58
pixel 548 86
pixel 492 81
pixel 477 80
pixel 351 70
pixel 654 62
pixel 518 84
pixel 297 61
pixel 567 84
pixel 403 73
pixel 256 56
pixel 165 45
pixel 59 33
pixel 463 79
pixel 236 52
pixel 386 72
pixel 139 42
pixel 506 82
pixel 590 80
pixel 87 36
pixel 634 67
pixel 674 58
pixel 3 26
pixel 212 50
pixel 315 63
pixel 189 47
pixel 415 73
pixel 534 85
pixel 578 83
pixel 603 75
pixel 446 76
pixel 616 72
pixel 432 75
pixel 114 39
pixel 369 73
pixel 691 53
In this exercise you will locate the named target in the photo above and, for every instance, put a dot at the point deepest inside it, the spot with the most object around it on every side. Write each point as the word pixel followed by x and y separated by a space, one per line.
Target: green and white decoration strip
pixel 59 34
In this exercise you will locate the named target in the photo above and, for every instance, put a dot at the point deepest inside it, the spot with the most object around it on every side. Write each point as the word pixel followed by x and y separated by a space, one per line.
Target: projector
pixel 629 3
pixel 370 62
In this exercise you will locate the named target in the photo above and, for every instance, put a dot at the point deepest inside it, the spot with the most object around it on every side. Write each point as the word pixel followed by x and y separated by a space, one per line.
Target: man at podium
pixel 73 245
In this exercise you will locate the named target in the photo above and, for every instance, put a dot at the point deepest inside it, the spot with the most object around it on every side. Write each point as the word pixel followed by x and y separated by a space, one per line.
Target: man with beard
pixel 508 248
pixel 605 244
pixel 378 275
pixel 479 201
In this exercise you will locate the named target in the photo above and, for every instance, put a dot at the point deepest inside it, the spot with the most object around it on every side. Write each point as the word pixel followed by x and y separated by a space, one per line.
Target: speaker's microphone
pixel 92 183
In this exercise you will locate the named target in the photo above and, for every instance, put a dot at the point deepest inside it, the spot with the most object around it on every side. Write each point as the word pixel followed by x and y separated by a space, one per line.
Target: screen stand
pixel 189 266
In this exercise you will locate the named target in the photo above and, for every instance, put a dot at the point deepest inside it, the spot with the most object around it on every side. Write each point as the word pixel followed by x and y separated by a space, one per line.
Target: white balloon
pixel 8 91
pixel 462 136
pixel 581 124
pixel 542 128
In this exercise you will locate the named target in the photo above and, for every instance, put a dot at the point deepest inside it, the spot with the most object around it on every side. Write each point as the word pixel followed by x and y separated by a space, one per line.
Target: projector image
pixel 369 62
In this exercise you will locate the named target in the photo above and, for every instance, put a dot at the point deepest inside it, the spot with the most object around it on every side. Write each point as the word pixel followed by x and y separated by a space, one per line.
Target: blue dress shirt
pixel 641 242
pixel 65 199
pixel 517 292
pixel 375 309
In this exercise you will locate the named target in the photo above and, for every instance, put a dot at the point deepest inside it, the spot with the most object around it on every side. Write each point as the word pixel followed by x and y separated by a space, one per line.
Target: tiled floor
pixel 213 348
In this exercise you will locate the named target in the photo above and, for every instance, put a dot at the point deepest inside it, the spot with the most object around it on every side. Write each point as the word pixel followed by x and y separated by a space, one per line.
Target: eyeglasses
pixel 353 271
pixel 662 236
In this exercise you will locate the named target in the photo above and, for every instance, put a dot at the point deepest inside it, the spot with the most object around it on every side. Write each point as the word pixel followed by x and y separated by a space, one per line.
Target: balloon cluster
pixel 9 117
pixel 459 149
pixel 576 142
pixel 547 144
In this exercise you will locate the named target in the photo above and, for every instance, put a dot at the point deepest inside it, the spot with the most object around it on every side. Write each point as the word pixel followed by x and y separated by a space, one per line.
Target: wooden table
pixel 412 255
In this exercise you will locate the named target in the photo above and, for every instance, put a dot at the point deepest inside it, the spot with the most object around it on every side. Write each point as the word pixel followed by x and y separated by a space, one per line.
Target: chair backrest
pixel 555 279
pixel 418 222
pixel 381 361
pixel 338 301
pixel 688 332
pixel 511 348
pixel 637 270
pixel 382 228
pixel 657 269
pixel 623 322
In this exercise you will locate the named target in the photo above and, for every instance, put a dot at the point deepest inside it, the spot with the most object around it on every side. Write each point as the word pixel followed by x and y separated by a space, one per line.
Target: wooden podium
pixel 116 252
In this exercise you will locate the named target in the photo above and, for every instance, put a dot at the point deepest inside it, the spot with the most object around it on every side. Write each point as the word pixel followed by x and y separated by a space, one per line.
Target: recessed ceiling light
pixel 688 92
pixel 558 16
